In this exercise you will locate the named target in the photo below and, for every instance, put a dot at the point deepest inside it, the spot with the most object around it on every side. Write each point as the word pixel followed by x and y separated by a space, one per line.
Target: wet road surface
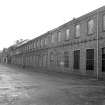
pixel 22 87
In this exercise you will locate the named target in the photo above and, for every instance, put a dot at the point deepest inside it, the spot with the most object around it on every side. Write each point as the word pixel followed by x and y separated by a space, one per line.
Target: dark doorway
pixel 77 59
pixel 66 59
pixel 103 59
pixel 90 59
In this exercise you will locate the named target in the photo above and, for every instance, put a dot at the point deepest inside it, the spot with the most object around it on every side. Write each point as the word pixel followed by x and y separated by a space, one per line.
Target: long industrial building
pixel 77 46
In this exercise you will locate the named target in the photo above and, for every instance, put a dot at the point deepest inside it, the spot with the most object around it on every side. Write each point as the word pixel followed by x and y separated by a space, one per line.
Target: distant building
pixel 4 55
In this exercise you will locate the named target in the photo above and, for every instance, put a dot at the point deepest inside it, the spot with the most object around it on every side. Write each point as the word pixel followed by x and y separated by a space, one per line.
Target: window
pixel 34 44
pixel 67 34
pixel 103 59
pixel 41 42
pixel 45 41
pixel 51 58
pixel 103 22
pixel 52 38
pixel 59 36
pixel 66 59
pixel 77 59
pixel 38 43
pixel 59 59
pixel 77 30
pixel 31 46
pixel 91 27
pixel 90 59
pixel 45 60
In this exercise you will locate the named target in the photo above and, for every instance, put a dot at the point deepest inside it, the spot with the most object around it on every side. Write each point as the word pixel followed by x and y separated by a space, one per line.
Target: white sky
pixel 28 19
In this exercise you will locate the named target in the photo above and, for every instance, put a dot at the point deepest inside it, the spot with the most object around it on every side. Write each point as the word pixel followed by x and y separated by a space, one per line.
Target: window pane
pixel 38 43
pixel 77 30
pixel 41 42
pixel 91 27
pixel 66 59
pixel 77 59
pixel 51 57
pixel 103 50
pixel 59 60
pixel 90 59
pixel 59 36
pixel 90 53
pixel 103 59
pixel 67 34
pixel 52 38
pixel 45 41
pixel 34 44
pixel 104 22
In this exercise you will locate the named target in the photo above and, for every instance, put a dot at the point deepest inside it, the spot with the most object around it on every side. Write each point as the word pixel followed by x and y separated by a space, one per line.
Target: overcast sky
pixel 27 19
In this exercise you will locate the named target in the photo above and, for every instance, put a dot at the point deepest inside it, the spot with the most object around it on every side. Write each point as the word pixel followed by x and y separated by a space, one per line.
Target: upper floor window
pixel 28 47
pixel 38 43
pixel 45 41
pixel 77 30
pixel 52 38
pixel 41 42
pixel 59 36
pixel 51 57
pixel 31 45
pixel 67 34
pixel 34 44
pixel 91 27
pixel 103 22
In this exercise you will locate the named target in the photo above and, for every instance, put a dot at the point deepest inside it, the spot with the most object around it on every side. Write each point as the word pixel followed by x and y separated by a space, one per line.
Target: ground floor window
pixel 66 59
pixel 51 58
pixel 45 60
pixel 59 59
pixel 103 59
pixel 90 59
pixel 76 59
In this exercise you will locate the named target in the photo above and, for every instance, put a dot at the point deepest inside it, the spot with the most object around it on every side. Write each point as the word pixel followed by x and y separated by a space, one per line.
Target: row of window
pixel 42 42
pixel 38 43
pixel 42 59
pixel 76 61
pixel 89 59
pixel 32 60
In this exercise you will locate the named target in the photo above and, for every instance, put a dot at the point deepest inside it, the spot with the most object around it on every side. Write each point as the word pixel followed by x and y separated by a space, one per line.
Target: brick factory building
pixel 77 46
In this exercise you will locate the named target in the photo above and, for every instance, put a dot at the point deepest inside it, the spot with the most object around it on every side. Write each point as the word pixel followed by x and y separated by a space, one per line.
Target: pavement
pixel 25 87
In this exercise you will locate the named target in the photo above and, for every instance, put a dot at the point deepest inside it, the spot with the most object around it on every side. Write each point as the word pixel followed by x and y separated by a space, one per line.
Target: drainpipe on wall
pixel 97 44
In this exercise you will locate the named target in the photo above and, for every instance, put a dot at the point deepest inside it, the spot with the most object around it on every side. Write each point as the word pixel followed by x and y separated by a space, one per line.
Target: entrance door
pixel 90 59
pixel 103 59
pixel 66 59
pixel 77 59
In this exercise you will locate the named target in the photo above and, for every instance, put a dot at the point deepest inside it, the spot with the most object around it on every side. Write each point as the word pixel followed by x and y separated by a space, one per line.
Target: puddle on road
pixel 13 91
pixel 9 92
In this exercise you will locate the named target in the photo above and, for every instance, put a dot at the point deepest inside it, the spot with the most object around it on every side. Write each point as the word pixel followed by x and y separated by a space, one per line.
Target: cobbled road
pixel 27 87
